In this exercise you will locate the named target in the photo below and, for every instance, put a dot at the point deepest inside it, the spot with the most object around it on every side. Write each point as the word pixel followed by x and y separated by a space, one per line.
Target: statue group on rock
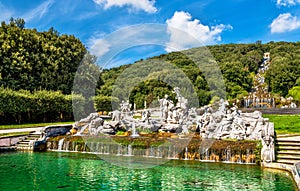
pixel 218 121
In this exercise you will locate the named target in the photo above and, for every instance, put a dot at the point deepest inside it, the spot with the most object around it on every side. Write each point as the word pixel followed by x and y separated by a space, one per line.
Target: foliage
pixel 120 133
pixel 31 125
pixel 34 60
pixel 284 70
pixel 237 62
pixel 150 91
pixel 39 106
pixel 14 134
pixel 295 93
pixel 105 103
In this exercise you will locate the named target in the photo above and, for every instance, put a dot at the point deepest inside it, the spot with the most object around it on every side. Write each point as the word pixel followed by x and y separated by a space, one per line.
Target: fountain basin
pixel 75 171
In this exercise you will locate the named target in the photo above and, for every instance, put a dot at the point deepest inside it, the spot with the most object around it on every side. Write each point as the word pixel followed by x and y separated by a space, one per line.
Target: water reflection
pixel 74 171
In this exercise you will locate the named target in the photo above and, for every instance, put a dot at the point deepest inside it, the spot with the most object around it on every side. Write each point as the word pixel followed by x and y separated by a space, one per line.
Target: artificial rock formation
pixel 217 121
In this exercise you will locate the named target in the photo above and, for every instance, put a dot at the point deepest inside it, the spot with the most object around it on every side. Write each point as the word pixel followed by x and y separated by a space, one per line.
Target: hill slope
pixel 238 64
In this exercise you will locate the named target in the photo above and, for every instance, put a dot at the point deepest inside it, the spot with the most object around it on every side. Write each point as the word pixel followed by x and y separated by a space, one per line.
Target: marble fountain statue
pixel 212 122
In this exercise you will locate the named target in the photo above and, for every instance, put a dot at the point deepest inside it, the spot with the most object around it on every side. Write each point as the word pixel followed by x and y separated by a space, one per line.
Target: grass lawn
pixel 29 125
pixel 285 124
pixel 13 134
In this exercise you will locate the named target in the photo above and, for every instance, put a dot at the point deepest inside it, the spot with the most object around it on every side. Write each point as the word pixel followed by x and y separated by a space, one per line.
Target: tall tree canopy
pixel 35 60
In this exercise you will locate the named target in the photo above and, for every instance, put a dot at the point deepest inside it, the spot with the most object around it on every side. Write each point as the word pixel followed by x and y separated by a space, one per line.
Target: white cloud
pixel 108 47
pixel 286 3
pixel 285 22
pixel 182 24
pixel 39 11
pixel 99 47
pixel 145 5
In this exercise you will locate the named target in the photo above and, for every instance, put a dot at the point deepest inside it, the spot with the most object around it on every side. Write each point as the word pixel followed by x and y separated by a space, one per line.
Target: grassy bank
pixel 285 124
pixel 29 125
pixel 13 134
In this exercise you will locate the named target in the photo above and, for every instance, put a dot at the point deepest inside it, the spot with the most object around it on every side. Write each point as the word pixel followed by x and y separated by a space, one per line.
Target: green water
pixel 74 171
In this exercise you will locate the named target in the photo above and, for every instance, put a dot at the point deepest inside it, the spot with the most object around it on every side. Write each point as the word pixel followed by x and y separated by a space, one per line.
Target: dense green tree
pixel 105 103
pixel 238 64
pixel 34 60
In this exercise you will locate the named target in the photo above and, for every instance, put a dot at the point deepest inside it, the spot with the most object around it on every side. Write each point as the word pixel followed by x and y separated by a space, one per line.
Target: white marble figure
pixel 267 151
pixel 125 108
pixel 116 116
pixel 165 108
pixel 146 115
pixel 95 126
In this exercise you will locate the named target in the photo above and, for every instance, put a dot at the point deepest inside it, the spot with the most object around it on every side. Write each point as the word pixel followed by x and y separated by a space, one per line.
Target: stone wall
pixel 293 169
pixel 11 140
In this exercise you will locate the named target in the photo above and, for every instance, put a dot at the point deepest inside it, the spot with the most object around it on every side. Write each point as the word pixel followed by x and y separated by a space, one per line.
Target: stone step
pixel 291 152
pixel 36 132
pixel 286 161
pixel 24 142
pixel 287 136
pixel 296 138
pixel 22 145
pixel 23 148
pixel 293 157
pixel 288 148
pixel 289 143
pixel 34 135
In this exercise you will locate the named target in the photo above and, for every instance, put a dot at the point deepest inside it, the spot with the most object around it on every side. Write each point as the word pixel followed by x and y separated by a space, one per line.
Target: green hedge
pixel 38 106
pixel 105 103
pixel 48 106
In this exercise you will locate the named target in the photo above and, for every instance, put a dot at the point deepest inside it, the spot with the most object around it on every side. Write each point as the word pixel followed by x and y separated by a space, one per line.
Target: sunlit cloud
pixel 287 3
pixel 187 33
pixel 145 5
pixel 284 23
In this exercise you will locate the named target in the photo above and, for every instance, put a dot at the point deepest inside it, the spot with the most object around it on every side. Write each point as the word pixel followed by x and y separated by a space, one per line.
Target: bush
pixel 39 106
pixel 105 103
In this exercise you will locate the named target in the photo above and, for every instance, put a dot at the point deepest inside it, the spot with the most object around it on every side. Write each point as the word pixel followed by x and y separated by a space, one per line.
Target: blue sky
pixel 206 22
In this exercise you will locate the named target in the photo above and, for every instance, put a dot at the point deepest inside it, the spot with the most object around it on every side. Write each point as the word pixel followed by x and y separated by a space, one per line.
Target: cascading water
pixel 67 146
pixel 158 153
pixel 107 150
pixel 206 155
pixel 73 146
pixel 97 147
pixel 151 154
pixel 60 144
pixel 134 133
pixel 119 151
pixel 84 147
pixel 186 157
pixel 239 159
pixel 228 154
pixel 129 151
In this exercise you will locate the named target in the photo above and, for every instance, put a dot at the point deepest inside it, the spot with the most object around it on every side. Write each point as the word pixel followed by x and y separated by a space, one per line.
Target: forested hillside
pixel 40 66
pixel 238 63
